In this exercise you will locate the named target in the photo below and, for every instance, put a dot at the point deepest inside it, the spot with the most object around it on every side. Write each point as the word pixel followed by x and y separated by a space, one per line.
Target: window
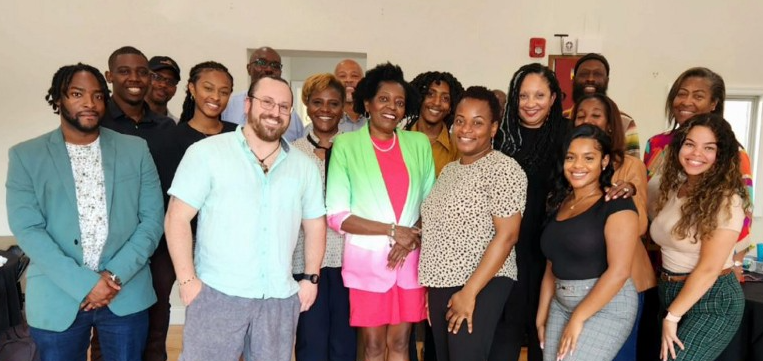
pixel 744 111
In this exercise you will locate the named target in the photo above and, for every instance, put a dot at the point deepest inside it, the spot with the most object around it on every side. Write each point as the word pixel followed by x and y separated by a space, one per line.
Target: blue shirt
pixel 247 230
pixel 234 113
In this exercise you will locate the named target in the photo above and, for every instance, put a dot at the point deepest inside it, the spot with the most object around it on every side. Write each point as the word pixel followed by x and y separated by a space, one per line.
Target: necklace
pixel 394 139
pixel 572 207
pixel 264 167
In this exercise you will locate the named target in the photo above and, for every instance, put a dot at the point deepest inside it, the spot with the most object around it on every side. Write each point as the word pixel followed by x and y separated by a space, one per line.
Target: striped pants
pixel 603 334
pixel 710 324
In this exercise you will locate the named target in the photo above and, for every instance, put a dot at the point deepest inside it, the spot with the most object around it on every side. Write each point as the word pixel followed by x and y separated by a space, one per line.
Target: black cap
pixel 164 62
pixel 587 57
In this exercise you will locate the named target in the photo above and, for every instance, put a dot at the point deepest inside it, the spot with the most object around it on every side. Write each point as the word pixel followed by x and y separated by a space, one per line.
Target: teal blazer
pixel 42 214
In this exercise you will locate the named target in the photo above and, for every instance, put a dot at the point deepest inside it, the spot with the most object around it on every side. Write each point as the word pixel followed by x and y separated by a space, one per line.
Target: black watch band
pixel 313 278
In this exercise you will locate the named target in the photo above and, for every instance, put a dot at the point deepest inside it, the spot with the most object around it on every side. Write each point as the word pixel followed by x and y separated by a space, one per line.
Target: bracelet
pixel 391 234
pixel 672 318
pixel 183 283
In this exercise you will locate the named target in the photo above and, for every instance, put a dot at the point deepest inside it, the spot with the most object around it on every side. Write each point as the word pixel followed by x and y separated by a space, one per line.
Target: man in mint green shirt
pixel 252 193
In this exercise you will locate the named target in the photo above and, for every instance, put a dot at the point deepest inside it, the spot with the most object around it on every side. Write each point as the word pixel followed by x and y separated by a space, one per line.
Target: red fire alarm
pixel 537 47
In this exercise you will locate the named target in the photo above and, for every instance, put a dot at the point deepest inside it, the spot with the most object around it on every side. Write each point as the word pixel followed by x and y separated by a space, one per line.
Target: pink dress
pixel 397 305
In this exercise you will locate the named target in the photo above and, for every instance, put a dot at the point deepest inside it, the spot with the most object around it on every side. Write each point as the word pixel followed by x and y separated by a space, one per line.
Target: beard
pixel 265 133
pixel 578 90
pixel 75 122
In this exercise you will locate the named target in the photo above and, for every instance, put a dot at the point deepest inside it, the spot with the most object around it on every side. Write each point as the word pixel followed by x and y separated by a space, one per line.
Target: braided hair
pixel 422 82
pixel 63 77
pixel 189 105
pixel 509 139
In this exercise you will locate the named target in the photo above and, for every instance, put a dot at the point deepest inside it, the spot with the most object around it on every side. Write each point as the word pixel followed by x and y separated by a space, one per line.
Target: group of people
pixel 496 223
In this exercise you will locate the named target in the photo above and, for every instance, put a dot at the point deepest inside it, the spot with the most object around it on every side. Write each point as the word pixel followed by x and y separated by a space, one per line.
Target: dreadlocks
pixel 509 139
pixel 189 105
pixel 63 77
pixel 422 82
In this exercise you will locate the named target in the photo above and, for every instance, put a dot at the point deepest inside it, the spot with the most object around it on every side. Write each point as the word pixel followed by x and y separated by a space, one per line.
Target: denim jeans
pixel 121 338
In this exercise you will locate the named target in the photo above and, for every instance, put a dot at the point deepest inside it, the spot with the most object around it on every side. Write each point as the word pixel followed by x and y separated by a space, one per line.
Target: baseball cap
pixel 164 62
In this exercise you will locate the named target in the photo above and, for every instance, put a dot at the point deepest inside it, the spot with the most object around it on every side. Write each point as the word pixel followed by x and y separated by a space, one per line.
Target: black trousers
pixel 517 321
pixel 487 310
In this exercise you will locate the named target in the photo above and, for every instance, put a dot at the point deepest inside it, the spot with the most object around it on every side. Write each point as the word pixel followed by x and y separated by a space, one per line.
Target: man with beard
pixel 85 204
pixel 127 112
pixel 264 61
pixel 165 75
pixel 241 289
pixel 592 76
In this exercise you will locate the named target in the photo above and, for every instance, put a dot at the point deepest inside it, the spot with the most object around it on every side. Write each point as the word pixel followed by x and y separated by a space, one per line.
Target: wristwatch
pixel 114 277
pixel 313 278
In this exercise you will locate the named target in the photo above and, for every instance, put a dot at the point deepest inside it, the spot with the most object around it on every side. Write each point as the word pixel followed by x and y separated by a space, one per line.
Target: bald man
pixel 348 72
pixel 264 61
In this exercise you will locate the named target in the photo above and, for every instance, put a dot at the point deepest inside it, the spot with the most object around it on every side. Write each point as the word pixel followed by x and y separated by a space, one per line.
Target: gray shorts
pixel 603 334
pixel 217 326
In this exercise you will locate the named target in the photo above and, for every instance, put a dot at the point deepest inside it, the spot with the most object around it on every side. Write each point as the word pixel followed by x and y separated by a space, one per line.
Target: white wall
pixel 647 42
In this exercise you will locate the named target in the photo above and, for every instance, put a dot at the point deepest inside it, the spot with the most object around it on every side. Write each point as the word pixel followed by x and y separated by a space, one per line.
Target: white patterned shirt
pixel 90 188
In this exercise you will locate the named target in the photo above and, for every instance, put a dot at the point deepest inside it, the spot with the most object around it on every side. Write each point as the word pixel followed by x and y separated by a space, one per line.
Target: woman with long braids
pixel 209 87
pixel 531 132
pixel 698 212
pixel 440 92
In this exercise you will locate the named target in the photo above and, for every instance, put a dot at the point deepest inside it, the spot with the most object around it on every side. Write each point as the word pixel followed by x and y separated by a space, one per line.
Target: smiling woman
pixel 209 87
pixel 531 132
pixel 377 179
pixel 483 193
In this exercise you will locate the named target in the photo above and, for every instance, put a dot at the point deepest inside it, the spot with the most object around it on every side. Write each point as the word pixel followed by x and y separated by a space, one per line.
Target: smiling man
pixel 127 112
pixel 264 62
pixel 592 76
pixel 440 93
pixel 240 289
pixel 85 204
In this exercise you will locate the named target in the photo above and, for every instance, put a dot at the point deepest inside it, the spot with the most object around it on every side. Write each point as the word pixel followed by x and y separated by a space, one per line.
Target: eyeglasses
pixel 269 104
pixel 261 63
pixel 168 81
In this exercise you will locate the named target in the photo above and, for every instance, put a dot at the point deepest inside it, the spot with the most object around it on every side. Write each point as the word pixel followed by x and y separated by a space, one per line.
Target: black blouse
pixel 576 246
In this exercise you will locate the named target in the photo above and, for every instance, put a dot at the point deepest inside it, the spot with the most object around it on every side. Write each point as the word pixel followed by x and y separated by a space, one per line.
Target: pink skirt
pixel 398 305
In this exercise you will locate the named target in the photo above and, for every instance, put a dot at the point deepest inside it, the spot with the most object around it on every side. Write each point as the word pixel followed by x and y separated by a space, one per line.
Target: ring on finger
pixel 626 190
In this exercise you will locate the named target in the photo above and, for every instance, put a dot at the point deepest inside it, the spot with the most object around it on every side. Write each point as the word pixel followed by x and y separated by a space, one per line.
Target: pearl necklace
pixel 394 140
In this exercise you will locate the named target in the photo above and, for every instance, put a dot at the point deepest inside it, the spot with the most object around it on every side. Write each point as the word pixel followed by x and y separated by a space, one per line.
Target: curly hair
pixel 189 105
pixel 509 139
pixel 321 82
pixel 714 188
pixel 561 188
pixel 63 78
pixel 717 91
pixel 370 84
pixel 422 82
pixel 614 124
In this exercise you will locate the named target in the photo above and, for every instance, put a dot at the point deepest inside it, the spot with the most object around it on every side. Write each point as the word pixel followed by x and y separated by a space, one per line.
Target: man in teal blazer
pixel 85 204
